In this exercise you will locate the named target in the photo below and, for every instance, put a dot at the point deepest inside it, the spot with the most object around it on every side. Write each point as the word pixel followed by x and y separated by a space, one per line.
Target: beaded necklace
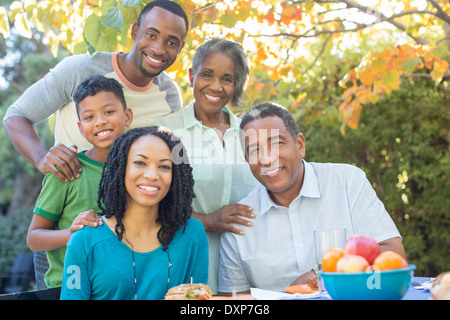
pixel 134 268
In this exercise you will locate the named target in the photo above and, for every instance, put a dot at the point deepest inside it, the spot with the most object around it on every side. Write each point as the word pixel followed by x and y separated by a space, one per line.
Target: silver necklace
pixel 134 269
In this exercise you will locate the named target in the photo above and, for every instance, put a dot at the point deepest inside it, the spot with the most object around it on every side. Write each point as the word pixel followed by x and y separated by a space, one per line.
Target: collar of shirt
pixel 310 189
pixel 190 120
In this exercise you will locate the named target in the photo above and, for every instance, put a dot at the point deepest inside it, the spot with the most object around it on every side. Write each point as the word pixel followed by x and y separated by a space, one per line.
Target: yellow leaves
pixel 290 13
pixel 408 6
pixel 261 54
pixel 176 67
pixel 16 14
pixel 188 7
pixel 410 65
pixel 367 76
pixel 263 28
pixel 439 68
pixel 282 14
pixel 265 90
pixel 379 65
pixel 229 20
pixel 286 69
pixel 351 111
pixel 21 24
pixel 54 18
pixel 382 72
pixel 4 23
pixel 350 76
pixel 391 79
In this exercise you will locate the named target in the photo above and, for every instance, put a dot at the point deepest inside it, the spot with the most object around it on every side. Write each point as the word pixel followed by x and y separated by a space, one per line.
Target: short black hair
pixel 168 5
pixel 95 84
pixel 270 109
pixel 176 207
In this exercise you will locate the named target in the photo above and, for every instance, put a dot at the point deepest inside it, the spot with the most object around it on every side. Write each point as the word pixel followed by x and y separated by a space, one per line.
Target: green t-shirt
pixel 62 202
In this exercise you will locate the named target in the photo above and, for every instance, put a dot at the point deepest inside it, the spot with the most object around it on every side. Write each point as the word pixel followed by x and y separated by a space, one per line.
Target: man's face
pixel 275 157
pixel 158 41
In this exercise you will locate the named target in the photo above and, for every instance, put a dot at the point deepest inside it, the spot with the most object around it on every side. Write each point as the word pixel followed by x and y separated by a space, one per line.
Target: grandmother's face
pixel 214 82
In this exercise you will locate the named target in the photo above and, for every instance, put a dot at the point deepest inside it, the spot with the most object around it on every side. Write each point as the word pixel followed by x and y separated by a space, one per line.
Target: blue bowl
pixel 371 285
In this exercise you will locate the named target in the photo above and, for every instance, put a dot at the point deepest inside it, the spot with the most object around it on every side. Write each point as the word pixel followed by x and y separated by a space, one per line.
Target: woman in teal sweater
pixel 148 243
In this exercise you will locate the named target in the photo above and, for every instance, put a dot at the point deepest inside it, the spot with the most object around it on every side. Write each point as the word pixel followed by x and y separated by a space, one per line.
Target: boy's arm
pixel 27 143
pixel 42 237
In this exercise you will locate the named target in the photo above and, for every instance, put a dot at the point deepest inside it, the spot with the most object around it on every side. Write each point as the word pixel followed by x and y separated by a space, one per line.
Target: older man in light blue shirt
pixel 295 197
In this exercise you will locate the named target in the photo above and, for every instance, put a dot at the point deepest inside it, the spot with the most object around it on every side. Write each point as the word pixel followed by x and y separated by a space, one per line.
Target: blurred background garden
pixel 366 80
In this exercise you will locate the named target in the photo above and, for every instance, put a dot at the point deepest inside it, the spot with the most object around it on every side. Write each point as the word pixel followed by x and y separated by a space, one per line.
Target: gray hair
pixel 269 109
pixel 240 58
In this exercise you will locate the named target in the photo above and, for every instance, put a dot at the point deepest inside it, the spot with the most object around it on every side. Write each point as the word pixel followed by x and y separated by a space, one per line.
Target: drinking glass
pixel 323 241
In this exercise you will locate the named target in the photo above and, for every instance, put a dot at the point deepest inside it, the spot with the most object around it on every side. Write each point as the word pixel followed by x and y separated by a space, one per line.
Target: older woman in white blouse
pixel 210 133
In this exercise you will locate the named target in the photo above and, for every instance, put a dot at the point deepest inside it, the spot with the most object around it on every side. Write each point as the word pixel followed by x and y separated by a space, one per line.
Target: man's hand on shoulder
pixel 64 158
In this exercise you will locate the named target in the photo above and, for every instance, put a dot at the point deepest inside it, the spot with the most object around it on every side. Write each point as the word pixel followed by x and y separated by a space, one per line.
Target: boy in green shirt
pixel 63 207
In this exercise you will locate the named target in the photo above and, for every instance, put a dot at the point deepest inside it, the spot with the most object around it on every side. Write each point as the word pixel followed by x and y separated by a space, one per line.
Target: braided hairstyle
pixel 174 209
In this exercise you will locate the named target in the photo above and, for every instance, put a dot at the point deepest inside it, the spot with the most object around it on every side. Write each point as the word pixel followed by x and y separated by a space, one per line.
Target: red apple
pixel 352 263
pixel 363 246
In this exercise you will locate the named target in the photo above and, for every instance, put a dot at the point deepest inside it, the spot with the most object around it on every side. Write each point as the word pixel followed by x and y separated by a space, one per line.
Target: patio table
pixel 411 294
pixel 417 294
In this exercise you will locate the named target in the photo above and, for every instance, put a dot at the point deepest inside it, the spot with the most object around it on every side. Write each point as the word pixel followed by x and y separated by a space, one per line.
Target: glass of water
pixel 323 241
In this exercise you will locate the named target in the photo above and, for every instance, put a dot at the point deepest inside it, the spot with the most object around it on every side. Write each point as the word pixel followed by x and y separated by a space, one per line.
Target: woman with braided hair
pixel 148 242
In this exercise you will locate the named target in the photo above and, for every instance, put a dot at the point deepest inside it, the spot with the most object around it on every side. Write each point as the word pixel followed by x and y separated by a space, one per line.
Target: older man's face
pixel 275 157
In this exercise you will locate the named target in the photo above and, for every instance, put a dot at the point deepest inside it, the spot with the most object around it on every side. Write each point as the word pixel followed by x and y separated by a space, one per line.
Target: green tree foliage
pixel 24 62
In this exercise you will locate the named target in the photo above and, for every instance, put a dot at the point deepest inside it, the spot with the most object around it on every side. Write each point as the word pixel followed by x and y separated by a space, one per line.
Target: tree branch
pixel 320 53
pixel 440 13
pixel 378 15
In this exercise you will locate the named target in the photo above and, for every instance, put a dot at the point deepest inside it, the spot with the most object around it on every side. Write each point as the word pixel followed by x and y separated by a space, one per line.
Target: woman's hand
pixel 223 218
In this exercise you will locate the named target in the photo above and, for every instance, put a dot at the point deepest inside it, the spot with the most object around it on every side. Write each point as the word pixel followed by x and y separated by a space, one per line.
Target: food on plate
pixel 189 291
pixel 311 286
pixel 363 246
pixel 300 288
pixel 441 287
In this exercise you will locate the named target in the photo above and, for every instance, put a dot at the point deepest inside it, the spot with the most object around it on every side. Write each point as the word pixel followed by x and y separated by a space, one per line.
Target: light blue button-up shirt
pixel 221 174
pixel 280 245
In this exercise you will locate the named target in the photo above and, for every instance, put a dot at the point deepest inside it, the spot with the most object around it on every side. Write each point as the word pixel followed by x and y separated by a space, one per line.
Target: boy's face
pixel 102 119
